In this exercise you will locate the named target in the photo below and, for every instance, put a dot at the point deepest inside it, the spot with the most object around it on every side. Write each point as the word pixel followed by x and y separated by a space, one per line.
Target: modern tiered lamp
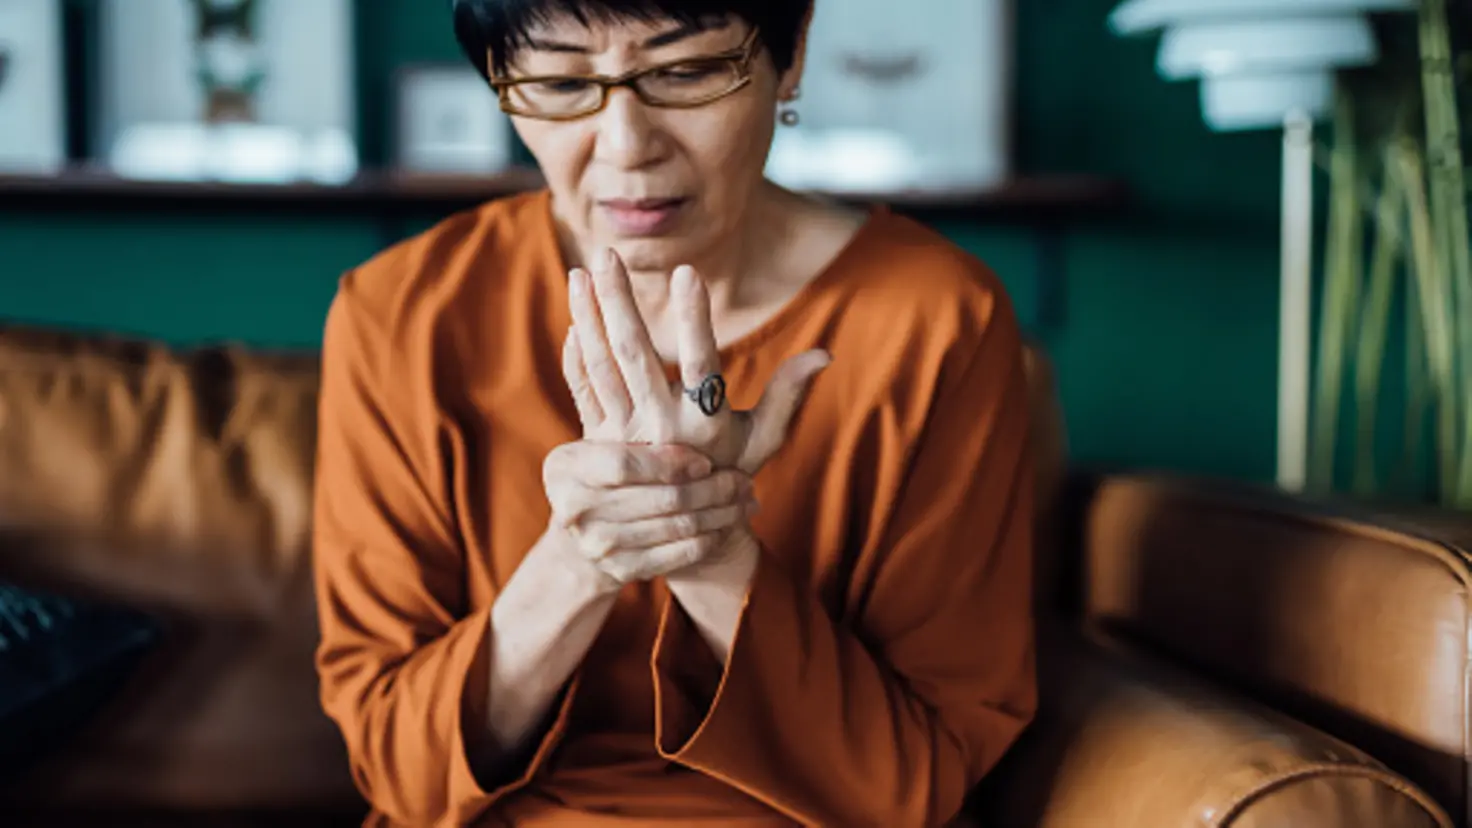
pixel 1270 64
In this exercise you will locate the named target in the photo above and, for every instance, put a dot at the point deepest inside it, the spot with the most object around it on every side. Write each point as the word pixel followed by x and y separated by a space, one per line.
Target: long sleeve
pixel 402 664
pixel 891 714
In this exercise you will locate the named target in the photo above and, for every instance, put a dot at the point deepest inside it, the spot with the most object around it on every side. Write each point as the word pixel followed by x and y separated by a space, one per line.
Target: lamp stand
pixel 1295 305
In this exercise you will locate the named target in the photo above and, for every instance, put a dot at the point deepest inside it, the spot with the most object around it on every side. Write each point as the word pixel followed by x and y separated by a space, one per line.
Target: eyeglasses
pixel 680 84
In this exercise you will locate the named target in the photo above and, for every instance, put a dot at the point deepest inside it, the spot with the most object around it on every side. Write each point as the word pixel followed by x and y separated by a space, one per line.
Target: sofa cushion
pixel 178 481
pixel 1124 740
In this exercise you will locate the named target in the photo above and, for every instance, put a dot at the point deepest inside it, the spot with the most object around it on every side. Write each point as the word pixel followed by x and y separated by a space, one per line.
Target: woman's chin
pixel 662 255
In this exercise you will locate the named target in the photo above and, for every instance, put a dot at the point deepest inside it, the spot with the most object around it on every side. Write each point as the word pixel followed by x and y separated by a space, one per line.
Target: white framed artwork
pixel 252 91
pixel 897 99
pixel 32 91
pixel 450 121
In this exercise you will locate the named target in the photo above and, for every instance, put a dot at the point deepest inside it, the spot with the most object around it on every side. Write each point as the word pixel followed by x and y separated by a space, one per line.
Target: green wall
pixel 1165 339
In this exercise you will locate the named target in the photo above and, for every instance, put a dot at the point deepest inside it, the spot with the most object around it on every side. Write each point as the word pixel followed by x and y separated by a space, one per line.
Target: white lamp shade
pixel 1231 103
pixel 1189 50
pixel 1140 16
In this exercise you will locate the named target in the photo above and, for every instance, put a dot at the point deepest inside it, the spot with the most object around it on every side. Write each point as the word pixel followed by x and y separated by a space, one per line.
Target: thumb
pixel 773 414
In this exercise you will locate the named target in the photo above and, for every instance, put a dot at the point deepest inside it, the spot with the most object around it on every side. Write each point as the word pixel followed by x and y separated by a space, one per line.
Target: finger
pixel 628 338
pixel 779 403
pixel 576 374
pixel 699 356
pixel 603 373
pixel 644 564
pixel 646 534
pixel 598 465
pixel 631 503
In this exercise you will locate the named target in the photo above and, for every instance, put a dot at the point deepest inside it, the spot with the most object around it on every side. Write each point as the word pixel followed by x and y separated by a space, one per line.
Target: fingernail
pixel 575 282
pixel 698 469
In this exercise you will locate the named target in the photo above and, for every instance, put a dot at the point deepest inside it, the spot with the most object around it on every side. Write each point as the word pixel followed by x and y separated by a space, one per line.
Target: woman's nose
pixel 627 137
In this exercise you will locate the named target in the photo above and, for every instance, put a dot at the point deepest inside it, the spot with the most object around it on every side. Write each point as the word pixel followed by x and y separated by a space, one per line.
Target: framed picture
pixel 450 122
pixel 255 91
pixel 32 93
pixel 912 101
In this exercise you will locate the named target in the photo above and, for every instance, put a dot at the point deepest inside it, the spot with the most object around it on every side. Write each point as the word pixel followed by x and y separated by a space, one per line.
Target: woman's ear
pixel 791 79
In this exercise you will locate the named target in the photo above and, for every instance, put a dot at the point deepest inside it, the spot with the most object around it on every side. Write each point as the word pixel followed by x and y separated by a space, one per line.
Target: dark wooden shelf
pixel 1031 199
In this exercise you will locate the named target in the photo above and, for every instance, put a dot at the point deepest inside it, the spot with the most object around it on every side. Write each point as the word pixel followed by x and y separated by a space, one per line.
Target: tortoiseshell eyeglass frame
pixel 740 59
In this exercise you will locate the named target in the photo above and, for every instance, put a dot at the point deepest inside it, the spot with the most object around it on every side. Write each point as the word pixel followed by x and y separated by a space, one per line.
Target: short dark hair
pixel 501 26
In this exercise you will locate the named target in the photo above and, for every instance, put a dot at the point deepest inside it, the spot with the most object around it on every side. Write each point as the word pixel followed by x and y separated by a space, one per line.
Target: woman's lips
pixel 642 217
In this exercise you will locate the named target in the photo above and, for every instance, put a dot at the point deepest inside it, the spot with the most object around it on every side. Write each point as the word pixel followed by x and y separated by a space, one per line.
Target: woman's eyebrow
pixel 675 35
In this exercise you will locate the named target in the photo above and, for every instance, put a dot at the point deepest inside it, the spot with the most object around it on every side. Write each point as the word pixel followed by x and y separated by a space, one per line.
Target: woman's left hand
pixel 619 384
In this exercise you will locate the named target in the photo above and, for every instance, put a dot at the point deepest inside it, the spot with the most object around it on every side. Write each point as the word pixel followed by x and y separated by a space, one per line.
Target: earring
pixel 788 116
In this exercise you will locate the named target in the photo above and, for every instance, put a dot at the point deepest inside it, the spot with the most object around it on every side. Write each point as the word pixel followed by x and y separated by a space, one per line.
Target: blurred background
pixel 1236 230
pixel 1141 246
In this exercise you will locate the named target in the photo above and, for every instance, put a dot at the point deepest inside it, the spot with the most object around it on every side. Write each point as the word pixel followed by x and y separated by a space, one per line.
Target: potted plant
pixel 1397 238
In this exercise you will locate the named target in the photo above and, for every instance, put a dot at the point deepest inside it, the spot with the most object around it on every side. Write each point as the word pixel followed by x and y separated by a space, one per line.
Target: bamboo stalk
pixel 1449 217
pixel 1435 302
pixel 1341 287
pixel 1408 477
pixel 1374 321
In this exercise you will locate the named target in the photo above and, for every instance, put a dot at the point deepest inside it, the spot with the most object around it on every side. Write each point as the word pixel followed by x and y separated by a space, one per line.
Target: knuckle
pixel 730 486
pixel 628 350
pixel 699 549
pixel 597 542
pixel 617 568
pixel 685 526
pixel 552 465
pixel 667 499
pixel 570 501
pixel 597 360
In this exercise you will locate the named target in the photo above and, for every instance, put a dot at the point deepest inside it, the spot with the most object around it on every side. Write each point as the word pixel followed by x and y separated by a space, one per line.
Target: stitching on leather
pixel 1383 527
pixel 1236 808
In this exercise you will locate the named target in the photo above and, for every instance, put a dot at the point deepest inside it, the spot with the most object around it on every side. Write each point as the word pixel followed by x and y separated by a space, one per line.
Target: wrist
pixel 575 574
pixel 732 566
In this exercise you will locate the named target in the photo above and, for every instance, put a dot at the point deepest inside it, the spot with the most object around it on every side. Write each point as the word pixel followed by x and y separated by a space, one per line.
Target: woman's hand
pixel 639 512
pixel 619 383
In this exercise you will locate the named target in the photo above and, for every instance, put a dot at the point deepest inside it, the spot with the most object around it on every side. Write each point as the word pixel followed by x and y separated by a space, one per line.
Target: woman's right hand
pixel 637 512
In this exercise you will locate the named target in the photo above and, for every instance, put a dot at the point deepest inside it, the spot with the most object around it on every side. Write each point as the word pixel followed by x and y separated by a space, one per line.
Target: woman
pixel 546 594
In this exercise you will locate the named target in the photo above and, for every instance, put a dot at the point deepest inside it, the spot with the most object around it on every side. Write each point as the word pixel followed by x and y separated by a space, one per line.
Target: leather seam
pixel 1401 533
pixel 1236 808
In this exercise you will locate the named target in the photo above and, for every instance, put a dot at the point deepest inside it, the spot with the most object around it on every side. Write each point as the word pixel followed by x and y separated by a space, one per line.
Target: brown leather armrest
pixel 1345 616
pixel 1123 741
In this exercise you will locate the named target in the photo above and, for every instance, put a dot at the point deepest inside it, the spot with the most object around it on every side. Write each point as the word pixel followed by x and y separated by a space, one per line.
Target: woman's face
pixel 659 185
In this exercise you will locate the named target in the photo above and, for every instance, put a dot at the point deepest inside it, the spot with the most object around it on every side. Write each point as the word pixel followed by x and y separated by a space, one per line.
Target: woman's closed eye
pixel 559 86
pixel 692 72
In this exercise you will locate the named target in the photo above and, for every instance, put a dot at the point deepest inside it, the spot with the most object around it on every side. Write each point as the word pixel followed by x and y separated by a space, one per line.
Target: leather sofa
pixel 1211 655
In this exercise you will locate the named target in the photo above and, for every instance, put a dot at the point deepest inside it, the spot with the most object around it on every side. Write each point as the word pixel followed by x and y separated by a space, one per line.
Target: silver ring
pixel 710 395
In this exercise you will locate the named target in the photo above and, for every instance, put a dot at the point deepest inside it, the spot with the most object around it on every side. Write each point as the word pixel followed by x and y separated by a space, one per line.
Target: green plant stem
pixel 1435 301
pixel 1449 218
pixel 1343 267
pixel 1374 321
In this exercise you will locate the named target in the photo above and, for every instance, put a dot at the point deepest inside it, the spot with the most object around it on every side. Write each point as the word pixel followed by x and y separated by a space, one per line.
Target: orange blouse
pixel 884 660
